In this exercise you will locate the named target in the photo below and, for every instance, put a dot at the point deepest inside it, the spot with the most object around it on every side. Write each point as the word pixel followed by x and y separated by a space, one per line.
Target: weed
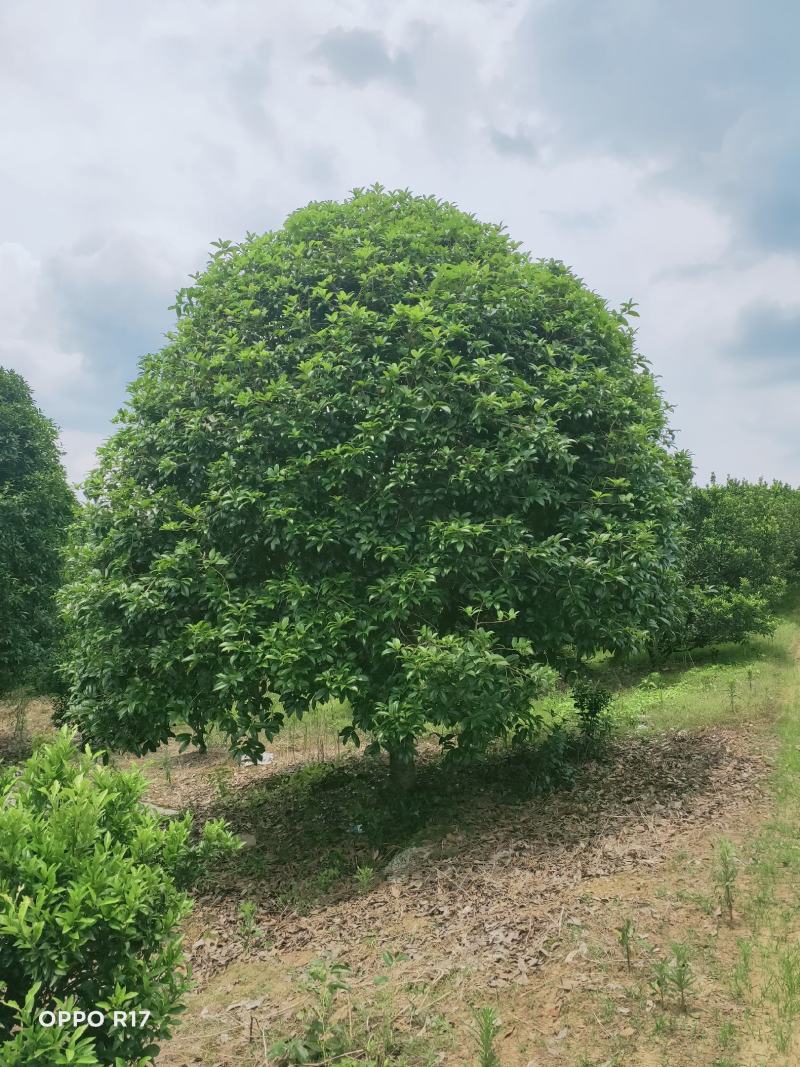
pixel 783 990
pixel 660 981
pixel 365 878
pixel 335 1030
pixel 727 1035
pixel 328 876
pixel 625 939
pixel 487 1026
pixel 320 1039
pixel 608 1009
pixel 391 958
pixel 663 1024
pixel 725 874
pixel 700 900
pixel 740 978
pixel 220 779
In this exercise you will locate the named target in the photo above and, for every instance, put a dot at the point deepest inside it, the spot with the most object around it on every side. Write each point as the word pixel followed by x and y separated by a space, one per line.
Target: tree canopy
pixel 36 507
pixel 385 456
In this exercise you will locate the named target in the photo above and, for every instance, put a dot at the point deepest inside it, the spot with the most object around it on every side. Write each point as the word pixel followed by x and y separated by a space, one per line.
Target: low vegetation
pixel 92 892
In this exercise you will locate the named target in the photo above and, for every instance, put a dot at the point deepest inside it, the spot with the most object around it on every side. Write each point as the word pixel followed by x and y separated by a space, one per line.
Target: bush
pixel 727 616
pixel 381 442
pixel 36 507
pixel 91 895
pixel 591 701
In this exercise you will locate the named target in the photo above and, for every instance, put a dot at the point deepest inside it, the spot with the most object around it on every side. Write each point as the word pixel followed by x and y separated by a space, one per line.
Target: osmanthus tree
pixel 742 552
pixel 36 508
pixel 386 457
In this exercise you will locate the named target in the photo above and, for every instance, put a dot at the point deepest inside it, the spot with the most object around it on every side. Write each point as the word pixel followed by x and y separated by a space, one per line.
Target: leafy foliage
pixel 322 1039
pixel 742 545
pixel 36 507
pixel 385 457
pixel 591 701
pixel 91 894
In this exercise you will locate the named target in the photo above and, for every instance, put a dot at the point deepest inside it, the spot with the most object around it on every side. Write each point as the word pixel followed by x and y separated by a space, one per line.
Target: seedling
pixel 365 878
pixel 591 702
pixel 680 973
pixel 248 926
pixel 21 719
pixel 166 766
pixel 725 875
pixel 626 932
pixel 487 1026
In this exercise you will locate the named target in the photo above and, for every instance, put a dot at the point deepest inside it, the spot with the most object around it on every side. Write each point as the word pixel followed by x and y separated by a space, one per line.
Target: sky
pixel 652 145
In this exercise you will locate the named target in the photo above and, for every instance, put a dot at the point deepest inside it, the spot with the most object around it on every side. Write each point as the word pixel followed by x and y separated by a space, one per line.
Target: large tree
pixel 36 507
pixel 384 456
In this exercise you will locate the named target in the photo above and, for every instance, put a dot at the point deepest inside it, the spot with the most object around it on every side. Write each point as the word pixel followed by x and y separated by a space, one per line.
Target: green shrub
pixel 91 895
pixel 721 616
pixel 744 531
pixel 591 701
pixel 36 507
pixel 381 441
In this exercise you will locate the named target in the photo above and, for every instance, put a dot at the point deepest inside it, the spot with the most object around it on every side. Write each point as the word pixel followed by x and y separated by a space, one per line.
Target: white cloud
pixel 79 448
pixel 29 338
pixel 137 134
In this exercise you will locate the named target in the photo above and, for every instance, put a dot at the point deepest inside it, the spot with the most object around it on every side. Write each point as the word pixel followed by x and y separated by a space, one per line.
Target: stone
pixel 405 860
pixel 162 812
pixel 262 761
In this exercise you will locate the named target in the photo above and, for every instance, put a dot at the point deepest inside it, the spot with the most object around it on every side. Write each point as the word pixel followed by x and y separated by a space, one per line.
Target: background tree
pixel 742 545
pixel 385 457
pixel 36 507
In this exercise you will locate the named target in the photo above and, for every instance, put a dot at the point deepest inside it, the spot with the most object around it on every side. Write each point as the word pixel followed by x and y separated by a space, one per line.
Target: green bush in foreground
pixel 385 456
pixel 91 895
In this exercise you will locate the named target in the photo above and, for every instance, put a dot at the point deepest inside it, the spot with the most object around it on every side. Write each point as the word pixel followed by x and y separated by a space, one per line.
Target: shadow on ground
pixel 325 832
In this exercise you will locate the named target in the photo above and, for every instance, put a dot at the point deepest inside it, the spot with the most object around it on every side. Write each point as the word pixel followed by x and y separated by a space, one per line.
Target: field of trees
pixel 392 694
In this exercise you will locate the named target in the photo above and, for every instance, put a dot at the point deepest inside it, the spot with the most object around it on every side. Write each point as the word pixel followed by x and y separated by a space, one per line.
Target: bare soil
pixel 519 907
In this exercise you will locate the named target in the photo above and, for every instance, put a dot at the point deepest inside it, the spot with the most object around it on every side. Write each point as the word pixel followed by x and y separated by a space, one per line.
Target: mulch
pixel 498 894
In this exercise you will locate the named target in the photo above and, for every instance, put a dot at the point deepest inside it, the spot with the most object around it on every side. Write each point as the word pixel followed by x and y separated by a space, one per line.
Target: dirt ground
pixel 519 907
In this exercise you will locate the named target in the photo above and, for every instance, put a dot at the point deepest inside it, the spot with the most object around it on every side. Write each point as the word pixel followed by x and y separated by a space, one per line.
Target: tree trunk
pixel 402 769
